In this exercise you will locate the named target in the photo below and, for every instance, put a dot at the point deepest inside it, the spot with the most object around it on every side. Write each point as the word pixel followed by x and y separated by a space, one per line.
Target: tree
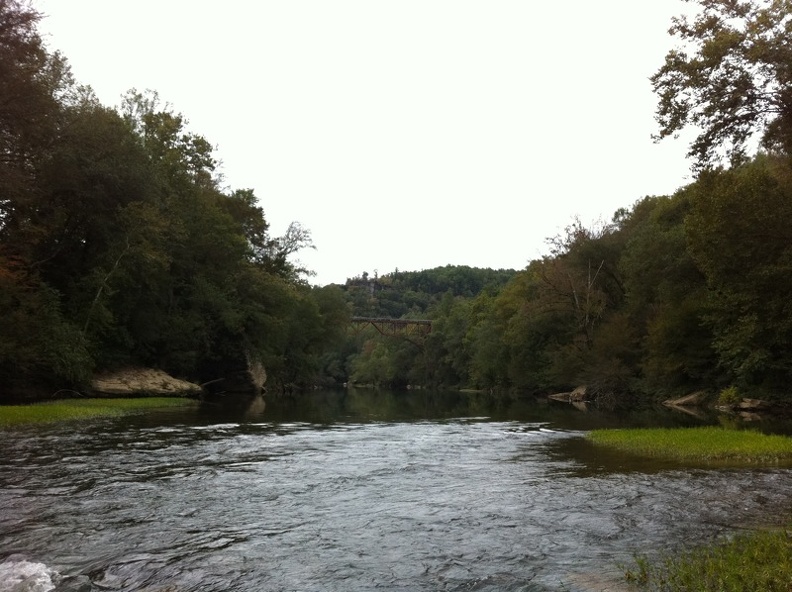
pixel 242 206
pixel 731 77
pixel 91 171
pixel 740 236
pixel 532 326
pixel 666 298
pixel 31 83
pixel 39 346
pixel 282 248
pixel 582 275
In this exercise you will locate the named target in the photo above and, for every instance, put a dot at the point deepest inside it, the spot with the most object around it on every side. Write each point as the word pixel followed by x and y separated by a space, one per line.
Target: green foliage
pixel 729 76
pixel 36 339
pixel 413 293
pixel 517 345
pixel 740 236
pixel 755 562
pixel 375 366
pixel 666 298
pixel 31 81
pixel 83 409
pixel 703 444
pixel 730 396
pixel 444 294
pixel 118 245
pixel 629 308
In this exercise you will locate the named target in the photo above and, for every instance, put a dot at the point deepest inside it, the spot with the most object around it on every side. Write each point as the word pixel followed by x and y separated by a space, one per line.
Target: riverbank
pixel 755 562
pixel 759 561
pixel 82 409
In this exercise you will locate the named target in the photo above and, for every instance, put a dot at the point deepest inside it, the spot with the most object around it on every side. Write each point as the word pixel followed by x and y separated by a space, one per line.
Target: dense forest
pixel 120 246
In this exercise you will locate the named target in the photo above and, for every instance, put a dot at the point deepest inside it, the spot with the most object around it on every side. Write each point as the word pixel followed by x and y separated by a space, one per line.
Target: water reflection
pixel 372 405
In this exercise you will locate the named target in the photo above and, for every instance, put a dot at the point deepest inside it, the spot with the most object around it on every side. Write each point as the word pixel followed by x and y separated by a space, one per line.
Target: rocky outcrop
pixel 579 395
pixel 746 407
pixel 752 409
pixel 141 382
pixel 247 378
pixel 754 405
pixel 697 399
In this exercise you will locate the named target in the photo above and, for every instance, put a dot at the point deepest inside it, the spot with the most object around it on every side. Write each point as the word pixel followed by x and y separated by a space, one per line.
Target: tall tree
pixel 731 77
pixel 39 343
pixel 666 298
pixel 31 84
pixel 740 235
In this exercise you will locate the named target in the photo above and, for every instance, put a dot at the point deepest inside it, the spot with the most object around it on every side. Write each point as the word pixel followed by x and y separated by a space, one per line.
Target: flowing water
pixel 354 491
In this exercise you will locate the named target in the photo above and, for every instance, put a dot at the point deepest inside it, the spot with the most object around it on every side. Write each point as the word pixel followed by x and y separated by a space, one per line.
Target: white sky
pixel 404 134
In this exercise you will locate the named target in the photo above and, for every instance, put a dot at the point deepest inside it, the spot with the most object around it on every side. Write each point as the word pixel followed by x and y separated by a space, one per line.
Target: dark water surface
pixel 356 491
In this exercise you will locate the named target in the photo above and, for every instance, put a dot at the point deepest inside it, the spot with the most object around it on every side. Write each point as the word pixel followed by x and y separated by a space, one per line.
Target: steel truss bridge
pixel 406 328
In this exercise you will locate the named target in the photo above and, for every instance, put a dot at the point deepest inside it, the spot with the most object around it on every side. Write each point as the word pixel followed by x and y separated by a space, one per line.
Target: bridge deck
pixel 398 322
pixel 395 327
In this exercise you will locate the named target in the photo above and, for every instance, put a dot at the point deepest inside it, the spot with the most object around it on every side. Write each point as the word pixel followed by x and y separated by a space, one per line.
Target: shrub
pixel 729 397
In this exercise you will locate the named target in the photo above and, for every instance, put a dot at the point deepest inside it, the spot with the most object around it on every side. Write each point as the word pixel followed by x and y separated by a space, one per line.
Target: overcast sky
pixel 403 134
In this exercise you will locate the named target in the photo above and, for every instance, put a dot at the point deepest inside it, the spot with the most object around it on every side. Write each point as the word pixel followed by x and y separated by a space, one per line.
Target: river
pixel 355 491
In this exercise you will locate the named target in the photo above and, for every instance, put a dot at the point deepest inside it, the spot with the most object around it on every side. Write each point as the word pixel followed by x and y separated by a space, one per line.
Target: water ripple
pixel 463 504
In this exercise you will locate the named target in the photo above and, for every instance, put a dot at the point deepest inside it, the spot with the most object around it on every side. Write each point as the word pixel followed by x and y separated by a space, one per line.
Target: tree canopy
pixel 730 77
pixel 118 245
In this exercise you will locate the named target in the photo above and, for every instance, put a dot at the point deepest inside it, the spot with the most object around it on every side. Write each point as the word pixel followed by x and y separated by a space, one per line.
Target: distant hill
pixel 413 293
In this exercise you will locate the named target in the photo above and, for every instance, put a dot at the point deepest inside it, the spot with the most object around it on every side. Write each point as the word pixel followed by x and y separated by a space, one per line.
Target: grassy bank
pixel 757 562
pixel 77 409
pixel 702 444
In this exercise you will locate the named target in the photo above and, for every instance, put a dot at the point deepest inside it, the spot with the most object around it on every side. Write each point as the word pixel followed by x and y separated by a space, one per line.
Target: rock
pixel 133 382
pixel 576 396
pixel 246 377
pixel 256 372
pixel 698 412
pixel 696 399
pixel 754 405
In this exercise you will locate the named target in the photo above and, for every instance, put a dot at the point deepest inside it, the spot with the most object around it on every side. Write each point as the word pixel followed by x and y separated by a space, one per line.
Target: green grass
pixel 756 562
pixel 81 409
pixel 702 444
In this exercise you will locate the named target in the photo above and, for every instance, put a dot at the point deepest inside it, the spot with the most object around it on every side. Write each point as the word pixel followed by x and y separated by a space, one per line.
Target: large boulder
pixel 579 395
pixel 140 382
pixel 754 405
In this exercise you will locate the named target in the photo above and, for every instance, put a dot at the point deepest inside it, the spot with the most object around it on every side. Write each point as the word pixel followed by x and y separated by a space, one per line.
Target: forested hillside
pixel 414 293
pixel 119 246
pixel 677 293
